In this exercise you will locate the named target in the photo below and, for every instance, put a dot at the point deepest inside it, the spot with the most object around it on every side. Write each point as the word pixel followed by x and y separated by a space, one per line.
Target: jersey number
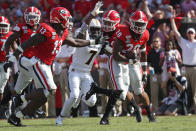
pixel 93 53
pixel 56 43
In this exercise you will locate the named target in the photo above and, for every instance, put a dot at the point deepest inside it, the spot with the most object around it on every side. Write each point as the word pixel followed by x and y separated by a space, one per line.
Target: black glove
pixel 7 65
pixel 144 79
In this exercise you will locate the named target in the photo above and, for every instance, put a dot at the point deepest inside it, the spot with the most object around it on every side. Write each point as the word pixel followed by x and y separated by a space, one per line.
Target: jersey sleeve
pixel 45 30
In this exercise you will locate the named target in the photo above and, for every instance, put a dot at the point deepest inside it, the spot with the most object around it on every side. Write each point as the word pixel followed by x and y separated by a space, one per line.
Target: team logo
pixel 63 11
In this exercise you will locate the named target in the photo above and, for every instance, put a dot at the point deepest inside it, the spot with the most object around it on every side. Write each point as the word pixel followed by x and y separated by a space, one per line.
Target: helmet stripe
pixel 3 20
pixel 109 13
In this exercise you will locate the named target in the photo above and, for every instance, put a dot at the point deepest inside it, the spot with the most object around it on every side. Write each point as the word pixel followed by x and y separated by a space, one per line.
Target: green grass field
pixel 164 123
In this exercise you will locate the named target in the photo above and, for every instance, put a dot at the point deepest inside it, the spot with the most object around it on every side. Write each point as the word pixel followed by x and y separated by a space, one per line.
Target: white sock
pixel 23 98
pixel 19 114
pixel 67 107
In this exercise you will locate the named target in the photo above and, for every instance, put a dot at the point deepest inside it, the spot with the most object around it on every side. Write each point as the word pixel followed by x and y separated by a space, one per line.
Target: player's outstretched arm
pixel 118 47
pixel 78 42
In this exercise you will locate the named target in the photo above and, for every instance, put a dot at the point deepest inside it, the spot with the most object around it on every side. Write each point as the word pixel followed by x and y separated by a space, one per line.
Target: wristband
pixel 143 50
pixel 92 42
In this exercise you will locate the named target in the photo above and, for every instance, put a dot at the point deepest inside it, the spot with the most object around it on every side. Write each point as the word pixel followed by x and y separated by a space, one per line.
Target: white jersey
pixel 84 57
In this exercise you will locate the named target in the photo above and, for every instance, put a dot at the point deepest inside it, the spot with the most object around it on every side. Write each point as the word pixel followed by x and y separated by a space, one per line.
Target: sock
pixel 66 110
pixel 148 110
pixel 109 106
pixel 135 106
pixel 102 90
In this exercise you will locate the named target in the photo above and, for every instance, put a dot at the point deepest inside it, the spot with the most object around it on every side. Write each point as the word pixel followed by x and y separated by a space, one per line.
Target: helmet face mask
pixel 138 22
pixel 95 29
pixel 4 25
pixel 32 16
pixel 110 21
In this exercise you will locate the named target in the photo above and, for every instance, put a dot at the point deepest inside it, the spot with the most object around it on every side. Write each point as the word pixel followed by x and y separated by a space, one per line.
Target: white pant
pixel 135 72
pixel 3 77
pixel 119 73
pixel 43 78
pixel 79 84
pixel 25 75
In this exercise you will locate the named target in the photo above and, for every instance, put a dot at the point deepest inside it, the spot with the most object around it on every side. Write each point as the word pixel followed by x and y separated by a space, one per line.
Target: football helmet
pixel 95 28
pixel 4 25
pixel 138 22
pixel 60 15
pixel 110 21
pixel 32 16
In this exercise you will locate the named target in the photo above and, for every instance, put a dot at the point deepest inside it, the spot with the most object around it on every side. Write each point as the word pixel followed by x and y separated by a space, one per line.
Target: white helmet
pixel 95 28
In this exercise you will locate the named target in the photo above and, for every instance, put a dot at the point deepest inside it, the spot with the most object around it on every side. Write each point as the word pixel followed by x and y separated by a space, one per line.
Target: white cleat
pixel 59 121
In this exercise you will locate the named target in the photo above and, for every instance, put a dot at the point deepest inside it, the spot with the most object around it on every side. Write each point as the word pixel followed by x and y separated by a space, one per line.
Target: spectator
pixel 189 55
pixel 176 102
pixel 155 78
pixel 188 5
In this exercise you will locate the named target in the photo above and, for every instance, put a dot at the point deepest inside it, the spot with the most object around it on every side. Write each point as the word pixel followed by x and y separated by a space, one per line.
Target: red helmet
pixel 110 21
pixel 4 25
pixel 138 22
pixel 32 16
pixel 60 15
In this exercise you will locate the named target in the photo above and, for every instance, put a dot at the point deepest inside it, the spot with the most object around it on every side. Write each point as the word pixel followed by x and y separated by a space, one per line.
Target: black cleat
pixel 151 118
pixel 138 114
pixel 116 93
pixel 91 91
pixel 13 120
pixel 104 121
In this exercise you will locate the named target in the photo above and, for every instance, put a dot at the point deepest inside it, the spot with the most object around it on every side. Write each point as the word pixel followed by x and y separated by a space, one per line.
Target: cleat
pixel 13 120
pixel 116 93
pixel 138 114
pixel 91 91
pixel 104 121
pixel 59 121
pixel 151 118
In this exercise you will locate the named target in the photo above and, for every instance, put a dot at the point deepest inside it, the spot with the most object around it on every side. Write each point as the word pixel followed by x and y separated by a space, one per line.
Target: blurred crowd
pixel 163 49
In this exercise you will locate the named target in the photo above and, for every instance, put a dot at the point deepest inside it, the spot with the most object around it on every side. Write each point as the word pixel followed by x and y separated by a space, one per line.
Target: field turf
pixel 164 123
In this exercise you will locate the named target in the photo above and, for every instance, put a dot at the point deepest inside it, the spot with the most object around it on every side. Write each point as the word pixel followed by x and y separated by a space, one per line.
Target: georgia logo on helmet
pixel 60 15
pixel 4 25
pixel 110 21
pixel 138 22
pixel 32 16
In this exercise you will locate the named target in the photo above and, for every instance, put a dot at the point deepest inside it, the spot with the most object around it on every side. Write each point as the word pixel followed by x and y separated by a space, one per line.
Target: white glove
pixel 96 10
pixel 12 58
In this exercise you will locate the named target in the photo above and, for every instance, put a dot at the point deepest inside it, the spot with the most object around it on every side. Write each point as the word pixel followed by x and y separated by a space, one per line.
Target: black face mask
pixel 95 33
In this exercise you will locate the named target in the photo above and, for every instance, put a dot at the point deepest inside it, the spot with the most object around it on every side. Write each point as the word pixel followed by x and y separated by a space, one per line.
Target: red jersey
pixel 112 38
pixel 47 51
pixel 26 33
pixel 2 46
pixel 124 35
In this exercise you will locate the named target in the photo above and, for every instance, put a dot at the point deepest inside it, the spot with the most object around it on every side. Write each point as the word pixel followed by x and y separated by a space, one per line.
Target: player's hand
pixel 97 10
pixel 7 65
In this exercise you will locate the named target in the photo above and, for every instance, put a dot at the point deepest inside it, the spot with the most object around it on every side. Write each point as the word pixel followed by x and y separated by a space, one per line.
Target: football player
pixel 23 31
pixel 4 66
pixel 80 79
pixel 129 45
pixel 47 42
pixel 120 77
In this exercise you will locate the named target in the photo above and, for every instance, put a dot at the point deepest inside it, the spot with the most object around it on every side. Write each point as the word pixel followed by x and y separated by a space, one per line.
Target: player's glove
pixel 97 10
pixel 7 65
pixel 144 78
